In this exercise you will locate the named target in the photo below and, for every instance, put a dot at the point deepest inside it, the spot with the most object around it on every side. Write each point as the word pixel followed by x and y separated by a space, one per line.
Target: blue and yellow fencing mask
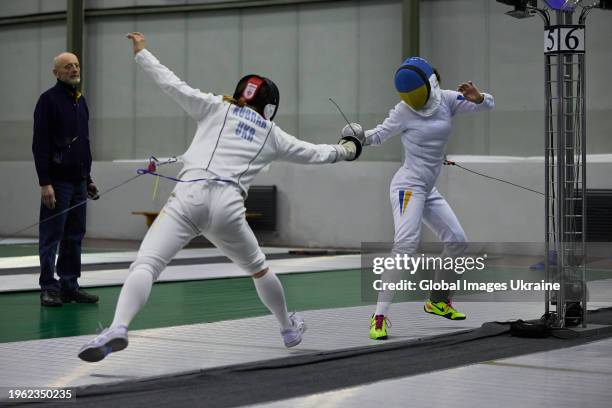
pixel 416 83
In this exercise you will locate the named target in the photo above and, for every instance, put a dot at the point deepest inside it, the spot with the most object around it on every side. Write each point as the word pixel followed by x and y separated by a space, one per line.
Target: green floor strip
pixel 172 304
pixel 179 303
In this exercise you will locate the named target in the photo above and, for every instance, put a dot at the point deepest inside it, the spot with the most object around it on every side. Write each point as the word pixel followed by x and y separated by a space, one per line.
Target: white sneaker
pixel 293 336
pixel 108 341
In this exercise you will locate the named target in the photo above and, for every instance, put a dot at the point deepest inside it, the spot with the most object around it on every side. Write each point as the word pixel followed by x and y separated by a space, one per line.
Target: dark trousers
pixel 67 230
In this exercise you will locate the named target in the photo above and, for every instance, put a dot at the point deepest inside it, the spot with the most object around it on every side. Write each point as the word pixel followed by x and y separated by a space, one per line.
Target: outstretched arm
pixel 390 127
pixel 291 149
pixel 193 101
pixel 469 99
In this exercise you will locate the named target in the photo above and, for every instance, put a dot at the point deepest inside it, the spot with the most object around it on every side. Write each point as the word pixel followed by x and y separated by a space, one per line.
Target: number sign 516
pixel 564 39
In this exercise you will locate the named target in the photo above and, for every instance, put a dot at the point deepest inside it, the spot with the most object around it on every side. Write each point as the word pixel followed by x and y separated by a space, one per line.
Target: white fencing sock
pixel 272 295
pixel 382 308
pixel 385 297
pixel 134 295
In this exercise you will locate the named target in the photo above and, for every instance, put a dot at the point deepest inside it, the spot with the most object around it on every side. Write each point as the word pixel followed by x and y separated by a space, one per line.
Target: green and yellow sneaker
pixel 378 327
pixel 444 309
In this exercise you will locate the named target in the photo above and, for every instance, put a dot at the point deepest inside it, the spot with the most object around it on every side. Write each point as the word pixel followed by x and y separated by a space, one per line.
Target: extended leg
pixel 440 218
pixel 407 215
pixel 230 232
pixel 168 234
pixel 271 293
pixel 407 208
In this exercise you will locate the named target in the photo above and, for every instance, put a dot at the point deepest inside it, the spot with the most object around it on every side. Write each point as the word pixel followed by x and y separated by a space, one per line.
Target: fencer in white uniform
pixel 423 119
pixel 234 140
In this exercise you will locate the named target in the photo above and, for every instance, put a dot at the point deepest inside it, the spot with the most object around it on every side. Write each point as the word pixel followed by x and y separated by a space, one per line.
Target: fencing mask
pixel 260 93
pixel 417 85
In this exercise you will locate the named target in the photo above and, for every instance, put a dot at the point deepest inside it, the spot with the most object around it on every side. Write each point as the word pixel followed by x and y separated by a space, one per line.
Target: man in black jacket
pixel 63 162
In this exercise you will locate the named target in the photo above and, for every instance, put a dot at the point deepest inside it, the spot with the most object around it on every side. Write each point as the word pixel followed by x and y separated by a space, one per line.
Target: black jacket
pixel 61 135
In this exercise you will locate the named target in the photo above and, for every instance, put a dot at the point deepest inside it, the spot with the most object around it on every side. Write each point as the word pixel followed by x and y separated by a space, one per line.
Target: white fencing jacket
pixel 231 143
pixel 424 137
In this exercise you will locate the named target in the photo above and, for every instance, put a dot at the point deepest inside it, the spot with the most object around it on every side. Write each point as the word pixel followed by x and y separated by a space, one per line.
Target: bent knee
pixel 260 274
pixel 150 264
pixel 256 268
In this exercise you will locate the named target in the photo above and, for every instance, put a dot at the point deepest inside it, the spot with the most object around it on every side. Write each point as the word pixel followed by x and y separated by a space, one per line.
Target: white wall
pixel 338 205
pixel 347 50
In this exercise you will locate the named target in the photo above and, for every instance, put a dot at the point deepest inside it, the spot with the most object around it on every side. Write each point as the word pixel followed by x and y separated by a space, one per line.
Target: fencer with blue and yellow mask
pixel 417 85
pixel 423 120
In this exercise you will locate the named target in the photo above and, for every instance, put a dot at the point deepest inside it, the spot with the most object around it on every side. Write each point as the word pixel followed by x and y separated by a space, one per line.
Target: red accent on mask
pixel 251 88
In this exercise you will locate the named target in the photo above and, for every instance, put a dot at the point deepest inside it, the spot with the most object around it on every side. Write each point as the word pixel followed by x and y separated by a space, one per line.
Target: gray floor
pixel 124 256
pixel 574 377
pixel 13 241
pixel 155 352
pixel 577 377
pixel 174 273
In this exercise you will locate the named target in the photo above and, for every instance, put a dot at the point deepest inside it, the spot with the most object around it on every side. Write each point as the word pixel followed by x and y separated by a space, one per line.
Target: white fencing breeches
pixel 413 207
pixel 213 209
